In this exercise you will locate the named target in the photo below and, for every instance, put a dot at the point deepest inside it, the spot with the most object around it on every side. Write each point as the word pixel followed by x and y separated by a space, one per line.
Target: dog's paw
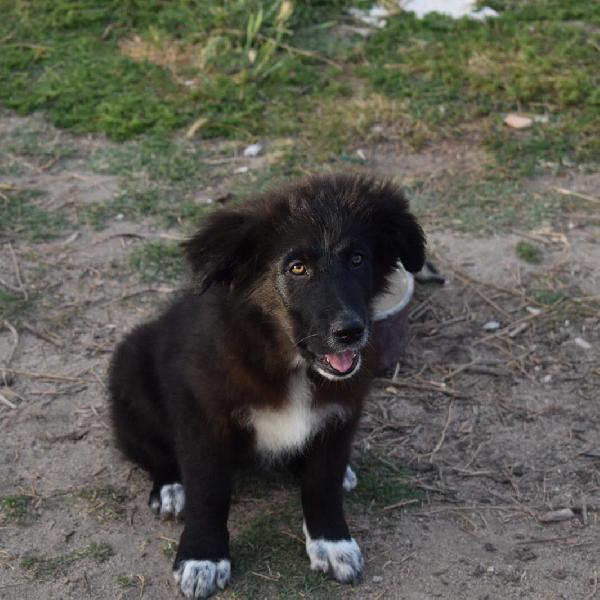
pixel 342 559
pixel 169 502
pixel 202 578
pixel 350 479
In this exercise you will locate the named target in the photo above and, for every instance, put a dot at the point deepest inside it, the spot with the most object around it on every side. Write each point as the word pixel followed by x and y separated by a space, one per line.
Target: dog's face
pixel 327 291
pixel 316 254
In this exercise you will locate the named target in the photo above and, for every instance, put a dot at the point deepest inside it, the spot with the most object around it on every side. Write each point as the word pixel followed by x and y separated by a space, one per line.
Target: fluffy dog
pixel 267 358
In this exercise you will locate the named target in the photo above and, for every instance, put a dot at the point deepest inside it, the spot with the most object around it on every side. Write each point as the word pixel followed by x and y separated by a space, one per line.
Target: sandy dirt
pixel 495 429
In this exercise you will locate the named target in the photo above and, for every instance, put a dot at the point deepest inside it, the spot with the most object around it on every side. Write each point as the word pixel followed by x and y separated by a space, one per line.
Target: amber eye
pixel 298 269
pixel 356 259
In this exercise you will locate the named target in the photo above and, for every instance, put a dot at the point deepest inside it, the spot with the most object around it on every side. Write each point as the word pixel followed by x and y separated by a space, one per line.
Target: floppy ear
pixel 222 248
pixel 397 234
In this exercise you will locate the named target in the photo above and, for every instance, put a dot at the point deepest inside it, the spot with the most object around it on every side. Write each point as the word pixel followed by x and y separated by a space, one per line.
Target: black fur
pixel 184 386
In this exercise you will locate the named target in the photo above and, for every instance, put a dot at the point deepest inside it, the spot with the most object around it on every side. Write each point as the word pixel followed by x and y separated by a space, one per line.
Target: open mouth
pixel 338 365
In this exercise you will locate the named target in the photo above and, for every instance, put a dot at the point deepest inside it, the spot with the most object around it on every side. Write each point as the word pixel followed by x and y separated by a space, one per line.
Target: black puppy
pixel 266 358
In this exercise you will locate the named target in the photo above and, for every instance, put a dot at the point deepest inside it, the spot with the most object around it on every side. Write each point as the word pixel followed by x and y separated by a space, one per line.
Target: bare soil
pixel 495 429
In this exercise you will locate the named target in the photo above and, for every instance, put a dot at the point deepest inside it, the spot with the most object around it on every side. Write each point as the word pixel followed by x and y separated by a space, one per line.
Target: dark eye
pixel 298 268
pixel 356 259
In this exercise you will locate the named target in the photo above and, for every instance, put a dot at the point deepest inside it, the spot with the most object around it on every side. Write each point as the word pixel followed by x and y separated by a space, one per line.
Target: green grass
pixel 248 68
pixel 14 307
pixel 538 57
pixel 105 503
pixel 17 509
pixel 158 262
pixel 529 253
pixel 23 220
pixel 380 483
pixel 125 580
pixel 263 547
pixel 47 567
pixel 483 205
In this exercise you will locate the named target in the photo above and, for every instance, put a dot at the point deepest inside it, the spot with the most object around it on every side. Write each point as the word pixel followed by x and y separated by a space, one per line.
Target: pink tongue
pixel 342 361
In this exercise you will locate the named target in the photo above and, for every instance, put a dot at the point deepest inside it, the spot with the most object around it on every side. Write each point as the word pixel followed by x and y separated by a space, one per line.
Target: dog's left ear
pixel 223 248
pixel 397 234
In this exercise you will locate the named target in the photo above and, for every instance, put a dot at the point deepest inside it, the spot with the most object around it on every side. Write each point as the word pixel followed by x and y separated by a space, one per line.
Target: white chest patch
pixel 287 429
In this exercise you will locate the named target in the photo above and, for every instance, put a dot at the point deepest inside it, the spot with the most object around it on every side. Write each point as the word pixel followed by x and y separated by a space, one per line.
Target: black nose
pixel 348 330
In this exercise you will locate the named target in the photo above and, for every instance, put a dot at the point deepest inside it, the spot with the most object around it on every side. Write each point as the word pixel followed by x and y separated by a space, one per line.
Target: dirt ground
pixel 496 430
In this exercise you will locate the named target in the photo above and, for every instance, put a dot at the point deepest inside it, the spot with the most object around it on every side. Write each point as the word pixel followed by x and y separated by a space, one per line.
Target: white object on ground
pixel 253 150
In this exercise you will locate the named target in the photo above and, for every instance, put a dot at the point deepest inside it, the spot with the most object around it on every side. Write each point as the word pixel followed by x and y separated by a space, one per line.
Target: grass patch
pixel 248 68
pixel 14 307
pixel 17 509
pixel 483 206
pixel 262 547
pixel 105 503
pixel 158 262
pixel 168 206
pixel 42 567
pixel 380 483
pixel 124 69
pixel 529 253
pixel 169 550
pixel 537 57
pixel 32 142
pixel 125 580
pixel 22 220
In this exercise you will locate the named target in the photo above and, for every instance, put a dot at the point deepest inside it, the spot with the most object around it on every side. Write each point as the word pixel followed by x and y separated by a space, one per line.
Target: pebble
pixel 491 326
pixel 240 170
pixel 583 344
pixel 253 150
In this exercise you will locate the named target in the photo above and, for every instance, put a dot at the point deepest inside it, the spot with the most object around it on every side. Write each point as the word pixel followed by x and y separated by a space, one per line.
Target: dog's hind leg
pixel 140 421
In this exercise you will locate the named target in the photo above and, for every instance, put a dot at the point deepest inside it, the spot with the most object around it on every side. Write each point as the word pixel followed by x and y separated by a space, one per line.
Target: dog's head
pixel 313 255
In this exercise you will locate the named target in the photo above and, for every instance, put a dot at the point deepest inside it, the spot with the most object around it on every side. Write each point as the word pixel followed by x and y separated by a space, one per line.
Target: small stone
pixel 516 121
pixel 377 578
pixel 491 326
pixel 253 150
pixel 489 547
pixel 241 170
pixel 119 217
pixel 559 573
pixel 583 344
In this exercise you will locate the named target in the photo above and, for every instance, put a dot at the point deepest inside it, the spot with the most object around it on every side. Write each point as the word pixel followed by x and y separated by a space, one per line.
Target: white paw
pixel 172 500
pixel 350 479
pixel 342 559
pixel 202 578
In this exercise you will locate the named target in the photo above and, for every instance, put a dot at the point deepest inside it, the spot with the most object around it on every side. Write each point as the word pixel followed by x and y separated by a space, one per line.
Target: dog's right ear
pixel 222 248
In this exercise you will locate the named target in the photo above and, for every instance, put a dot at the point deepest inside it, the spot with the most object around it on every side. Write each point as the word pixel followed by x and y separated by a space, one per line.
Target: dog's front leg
pixel 202 565
pixel 329 545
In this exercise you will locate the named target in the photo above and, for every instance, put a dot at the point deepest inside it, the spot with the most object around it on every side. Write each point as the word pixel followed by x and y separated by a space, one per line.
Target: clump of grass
pixel 158 261
pixel 262 547
pixel 169 550
pixel 168 206
pixel 529 253
pixel 21 219
pixel 14 307
pixel 106 503
pixel 44 567
pixel 16 509
pixel 483 205
pixel 126 580
pixel 380 483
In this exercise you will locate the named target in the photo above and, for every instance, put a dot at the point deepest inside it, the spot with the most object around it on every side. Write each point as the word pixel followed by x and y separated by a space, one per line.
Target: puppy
pixel 267 358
